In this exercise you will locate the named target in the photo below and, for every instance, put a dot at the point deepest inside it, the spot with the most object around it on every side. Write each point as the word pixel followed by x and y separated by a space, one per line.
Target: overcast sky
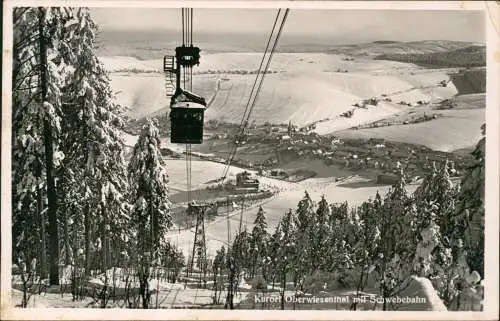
pixel 355 25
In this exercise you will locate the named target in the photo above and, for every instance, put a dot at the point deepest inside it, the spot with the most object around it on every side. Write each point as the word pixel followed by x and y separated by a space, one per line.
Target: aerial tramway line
pixel 187 111
pixel 187 116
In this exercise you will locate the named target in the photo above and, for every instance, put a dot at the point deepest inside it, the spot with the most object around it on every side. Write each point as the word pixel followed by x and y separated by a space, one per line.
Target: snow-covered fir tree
pixel 365 250
pixel 319 235
pixel 38 78
pixel 398 238
pixel 304 213
pixel 93 146
pixel 150 213
pixel 285 254
pixel 173 261
pixel 242 250
pixel 436 189
pixel 149 191
pixel 338 223
pixel 218 270
pixel 259 242
pixel 468 218
pixel 304 222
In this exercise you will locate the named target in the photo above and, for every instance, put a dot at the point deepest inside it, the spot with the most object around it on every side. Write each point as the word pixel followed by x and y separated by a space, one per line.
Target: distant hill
pixel 400 50
pixel 146 45
pixel 470 56
pixel 385 42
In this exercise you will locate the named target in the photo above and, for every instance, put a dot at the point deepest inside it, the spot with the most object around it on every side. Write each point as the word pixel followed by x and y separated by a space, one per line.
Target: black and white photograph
pixel 228 156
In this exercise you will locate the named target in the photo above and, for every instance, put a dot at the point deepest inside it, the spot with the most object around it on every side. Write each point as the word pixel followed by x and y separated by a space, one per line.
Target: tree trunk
pixel 104 234
pixel 67 247
pixel 48 142
pixel 86 223
pixel 283 291
pixel 144 290
pixel 43 242
pixel 230 292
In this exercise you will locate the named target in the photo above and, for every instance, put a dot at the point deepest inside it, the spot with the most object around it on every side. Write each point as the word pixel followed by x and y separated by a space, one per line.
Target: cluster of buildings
pixel 361 153
pixel 291 142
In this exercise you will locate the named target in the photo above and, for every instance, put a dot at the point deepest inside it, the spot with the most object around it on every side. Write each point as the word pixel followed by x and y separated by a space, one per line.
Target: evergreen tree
pixel 304 221
pixel 319 235
pixel 173 261
pixel 366 248
pixel 428 187
pixel 242 251
pixel 38 77
pixel 468 218
pixel 338 226
pixel 286 236
pixel 259 242
pixel 400 220
pixel 149 195
pixel 92 143
pixel 398 239
pixel 438 190
pixel 218 268
pixel 305 213
pixel 273 251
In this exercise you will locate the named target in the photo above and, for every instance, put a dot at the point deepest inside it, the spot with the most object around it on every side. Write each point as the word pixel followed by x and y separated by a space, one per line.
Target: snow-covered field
pixel 457 129
pixel 305 87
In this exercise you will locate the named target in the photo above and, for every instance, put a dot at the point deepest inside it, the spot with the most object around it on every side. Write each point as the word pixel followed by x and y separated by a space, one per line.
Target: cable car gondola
pixel 186 109
pixel 186 117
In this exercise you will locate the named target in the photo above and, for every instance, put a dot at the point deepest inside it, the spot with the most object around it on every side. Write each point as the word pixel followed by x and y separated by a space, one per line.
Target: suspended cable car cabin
pixel 186 117
pixel 186 109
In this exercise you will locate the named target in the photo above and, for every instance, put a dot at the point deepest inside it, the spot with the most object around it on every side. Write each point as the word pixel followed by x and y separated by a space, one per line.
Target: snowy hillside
pixel 304 88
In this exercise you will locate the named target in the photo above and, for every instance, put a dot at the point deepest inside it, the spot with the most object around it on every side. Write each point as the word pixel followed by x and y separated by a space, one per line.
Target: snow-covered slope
pixel 303 88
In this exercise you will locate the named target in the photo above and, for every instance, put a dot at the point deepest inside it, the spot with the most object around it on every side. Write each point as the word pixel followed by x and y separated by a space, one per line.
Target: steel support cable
pixel 247 116
pixel 191 26
pixel 183 43
pixel 235 147
pixel 245 122
pixel 187 31
pixel 187 26
pixel 190 82
pixel 259 69
pixel 191 41
pixel 268 63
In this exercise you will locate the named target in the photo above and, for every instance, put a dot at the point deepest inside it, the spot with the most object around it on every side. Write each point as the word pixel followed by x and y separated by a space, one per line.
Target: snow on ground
pixel 300 62
pixel 455 130
pixel 419 287
pixel 142 93
pixel 360 116
pixel 48 300
pixel 130 140
pixel 117 63
pixel 306 87
pixel 170 295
